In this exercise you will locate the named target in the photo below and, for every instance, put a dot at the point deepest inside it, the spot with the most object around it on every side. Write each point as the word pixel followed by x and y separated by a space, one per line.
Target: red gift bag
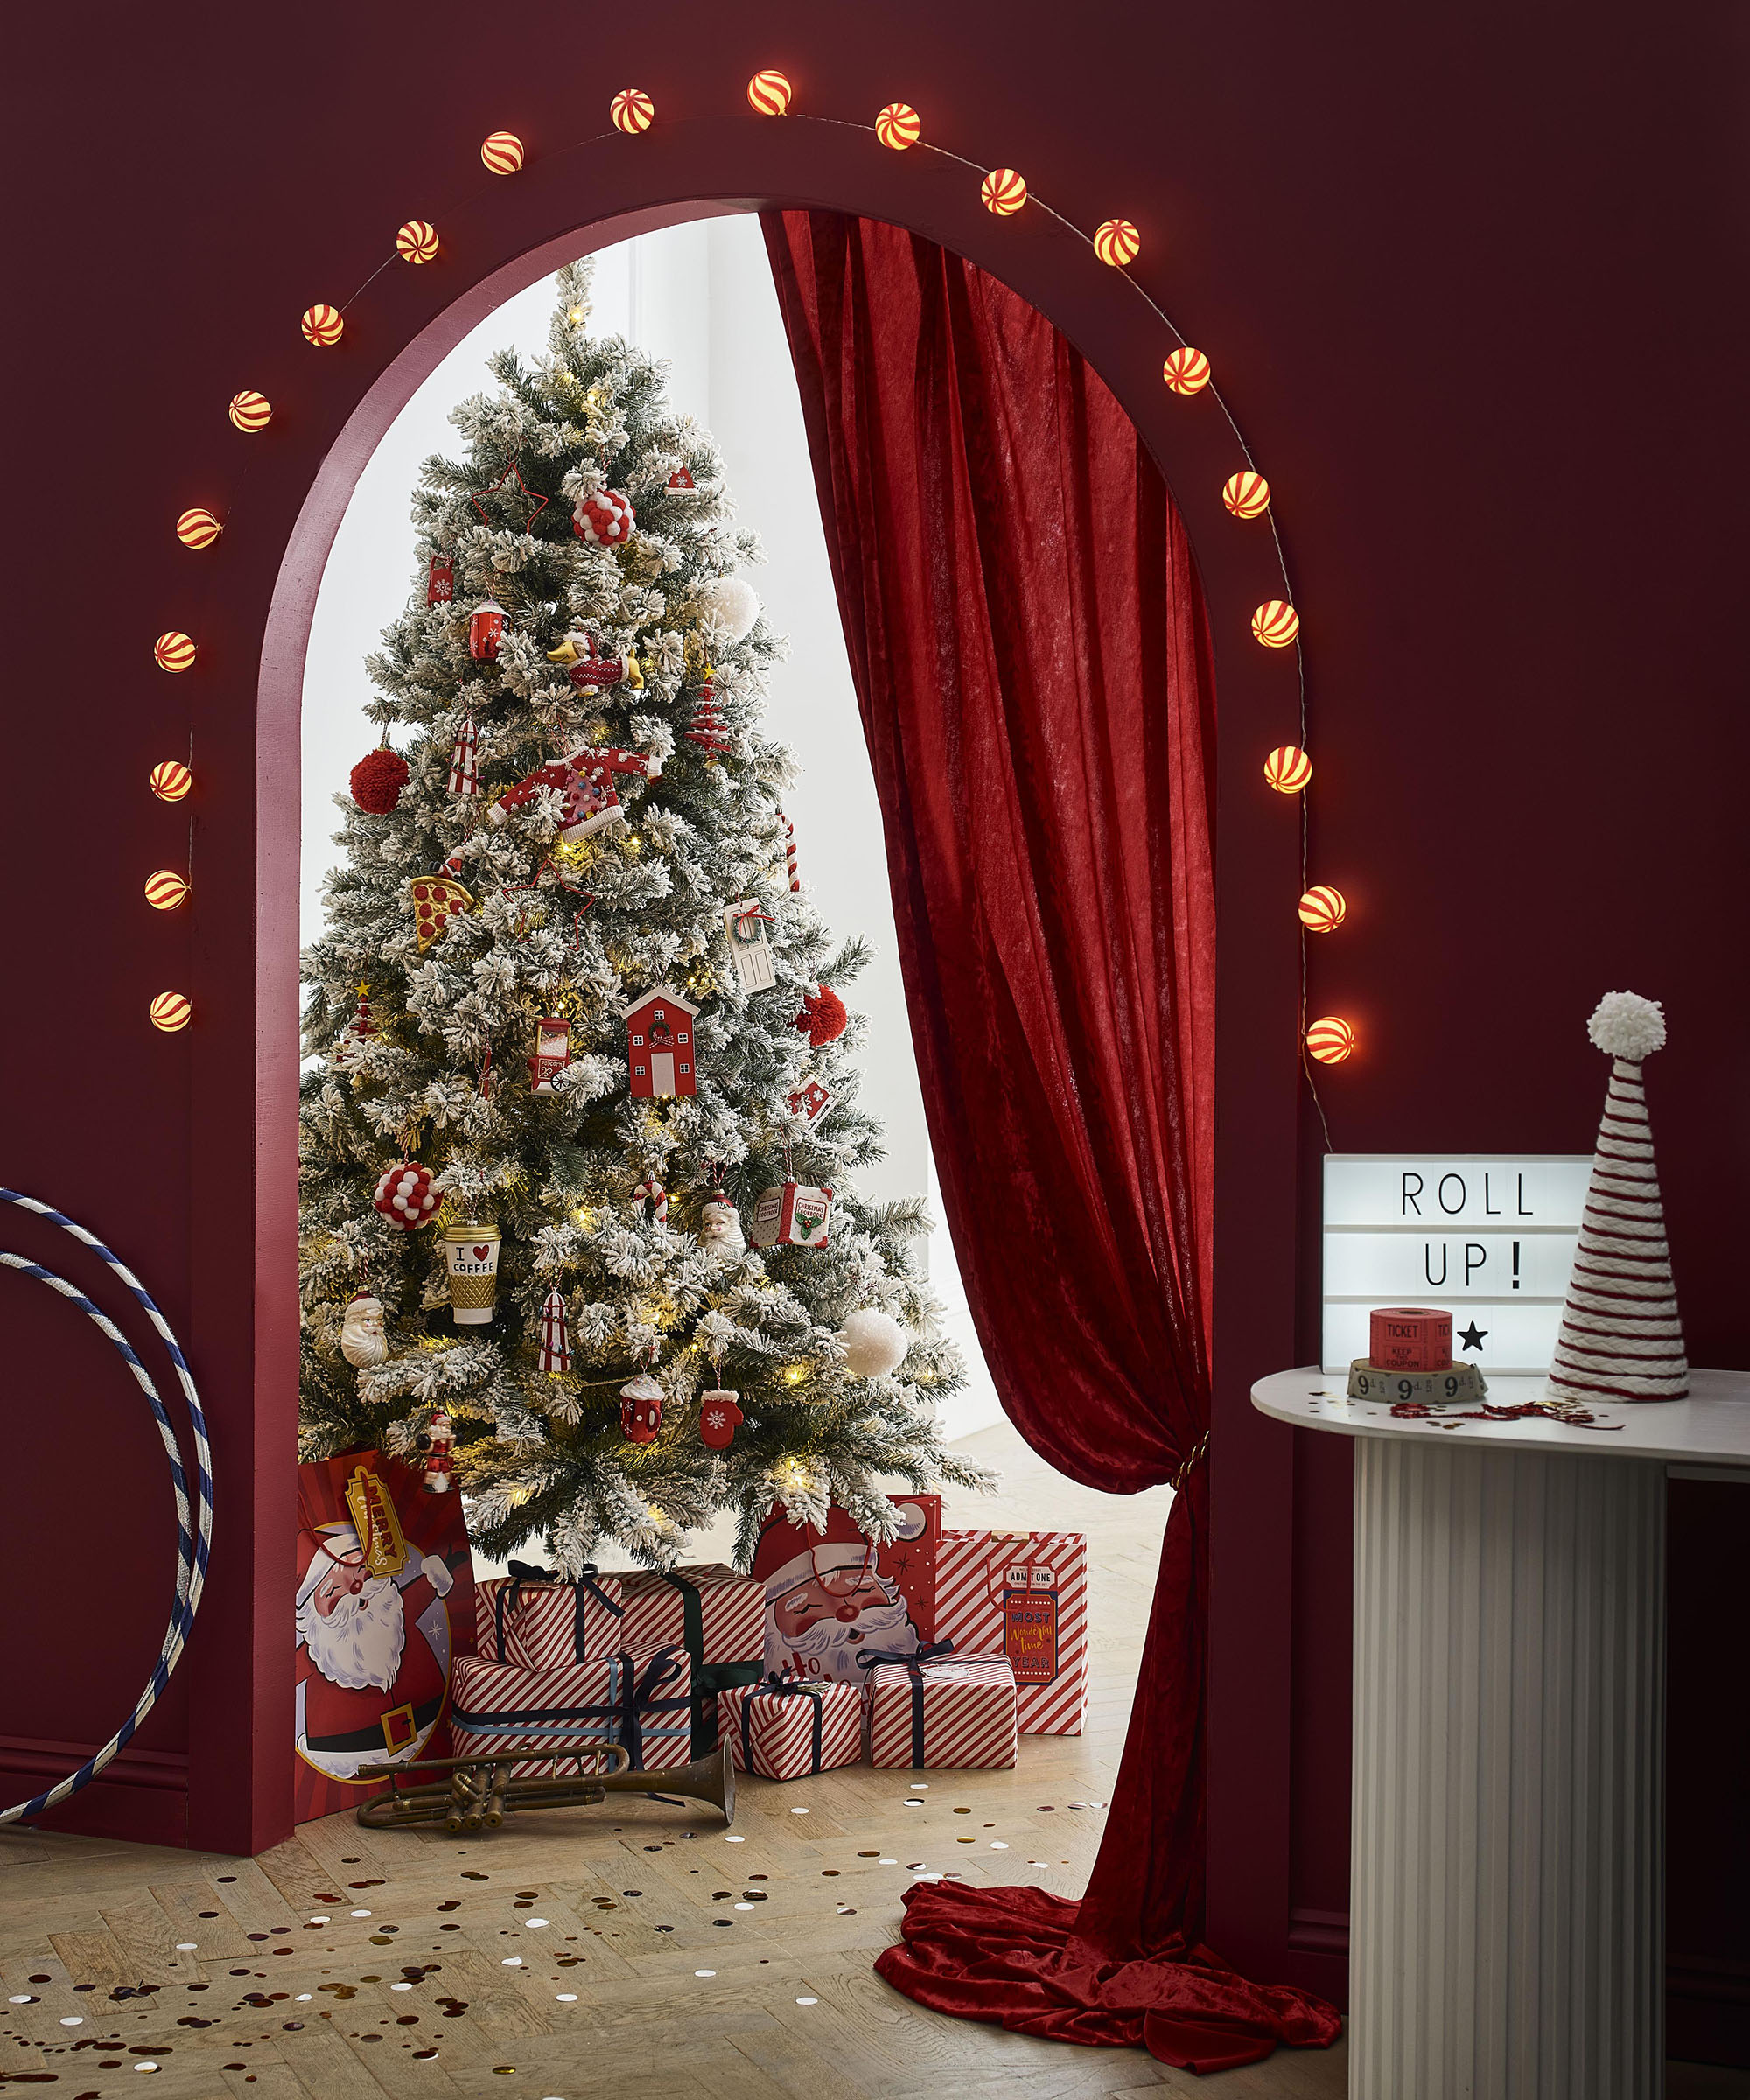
pixel 830 1595
pixel 384 1575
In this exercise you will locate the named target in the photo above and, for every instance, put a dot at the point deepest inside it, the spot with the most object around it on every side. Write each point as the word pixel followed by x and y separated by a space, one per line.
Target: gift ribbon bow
pixel 933 1651
pixel 776 1687
pixel 581 1584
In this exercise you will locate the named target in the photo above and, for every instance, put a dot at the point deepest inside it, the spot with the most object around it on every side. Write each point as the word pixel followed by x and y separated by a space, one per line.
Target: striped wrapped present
pixel 641 1698
pixel 715 1614
pixel 1024 1594
pixel 539 1620
pixel 791 1727
pixel 936 1708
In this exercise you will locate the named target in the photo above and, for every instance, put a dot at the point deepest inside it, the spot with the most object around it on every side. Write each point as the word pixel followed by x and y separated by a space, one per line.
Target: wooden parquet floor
pixel 623 1953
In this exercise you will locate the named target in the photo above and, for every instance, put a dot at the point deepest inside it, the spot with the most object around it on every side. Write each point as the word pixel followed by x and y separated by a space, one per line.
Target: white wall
pixel 701 297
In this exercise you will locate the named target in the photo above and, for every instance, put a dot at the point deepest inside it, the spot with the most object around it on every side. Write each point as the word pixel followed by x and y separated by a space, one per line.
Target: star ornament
pixel 1472 1336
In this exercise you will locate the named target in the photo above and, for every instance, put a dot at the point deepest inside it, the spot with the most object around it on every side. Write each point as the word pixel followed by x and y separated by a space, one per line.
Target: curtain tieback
pixel 1198 1450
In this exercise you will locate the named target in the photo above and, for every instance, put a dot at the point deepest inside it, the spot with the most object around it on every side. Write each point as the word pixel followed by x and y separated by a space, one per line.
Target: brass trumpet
pixel 479 1792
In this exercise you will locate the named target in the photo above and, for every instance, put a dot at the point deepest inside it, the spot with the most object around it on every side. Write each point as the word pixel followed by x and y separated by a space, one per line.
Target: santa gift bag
pixel 385 1597
pixel 934 1708
pixel 713 1612
pixel 789 1727
pixel 538 1619
pixel 832 1595
pixel 641 1699
pixel 1023 1594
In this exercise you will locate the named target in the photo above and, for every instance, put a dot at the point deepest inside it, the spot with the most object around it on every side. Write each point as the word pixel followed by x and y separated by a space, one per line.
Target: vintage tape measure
pixel 1463 1385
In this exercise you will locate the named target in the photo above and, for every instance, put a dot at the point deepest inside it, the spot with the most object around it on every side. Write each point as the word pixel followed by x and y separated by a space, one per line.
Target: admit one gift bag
pixel 1022 1594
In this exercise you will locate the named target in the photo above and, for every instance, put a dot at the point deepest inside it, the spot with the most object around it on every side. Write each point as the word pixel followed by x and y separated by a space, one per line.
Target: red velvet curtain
pixel 1028 644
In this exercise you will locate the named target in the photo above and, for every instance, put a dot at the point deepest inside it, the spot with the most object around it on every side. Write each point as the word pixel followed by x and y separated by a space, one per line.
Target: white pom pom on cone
pixel 1622 1338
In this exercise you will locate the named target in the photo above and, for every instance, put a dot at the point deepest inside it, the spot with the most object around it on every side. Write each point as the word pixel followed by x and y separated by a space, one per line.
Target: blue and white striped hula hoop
pixel 194 1538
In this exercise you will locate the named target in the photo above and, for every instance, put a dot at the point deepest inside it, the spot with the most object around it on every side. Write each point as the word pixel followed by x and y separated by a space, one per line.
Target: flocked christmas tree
pixel 573 1019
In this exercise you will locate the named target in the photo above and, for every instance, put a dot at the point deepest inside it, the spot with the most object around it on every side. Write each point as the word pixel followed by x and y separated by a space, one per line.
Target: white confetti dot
pixel 74 2019
pixel 511 1961
pixel 799 1811
pixel 566 1998
pixel 361 1914
pixel 735 1840
pixel 302 1998
pixel 182 1947
pixel 324 1921
pixel 920 1786
pixel 535 1924
pixel 887 1863
pixel 808 2001
pixel 704 1972
pixel 145 2066
pixel 24 1999
pixel 999 1845
pixel 744 1907
pixel 401 1986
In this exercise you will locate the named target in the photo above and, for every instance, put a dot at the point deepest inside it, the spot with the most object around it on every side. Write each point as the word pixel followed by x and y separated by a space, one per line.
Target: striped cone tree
pixel 1622 1338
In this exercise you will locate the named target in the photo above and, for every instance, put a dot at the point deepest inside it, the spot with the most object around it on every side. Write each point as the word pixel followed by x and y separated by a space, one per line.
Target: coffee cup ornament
pixel 471 1259
pixel 640 1408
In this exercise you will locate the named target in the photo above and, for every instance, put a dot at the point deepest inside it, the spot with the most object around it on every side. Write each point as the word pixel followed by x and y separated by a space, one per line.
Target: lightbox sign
pixel 1491 1238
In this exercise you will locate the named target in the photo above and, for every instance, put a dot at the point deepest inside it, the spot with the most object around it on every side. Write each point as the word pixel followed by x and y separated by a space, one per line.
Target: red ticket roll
pixel 1410 1338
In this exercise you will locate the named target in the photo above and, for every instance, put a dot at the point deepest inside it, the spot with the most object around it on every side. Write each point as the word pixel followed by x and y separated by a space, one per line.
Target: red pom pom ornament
pixel 605 519
pixel 377 780
pixel 405 1196
pixel 823 1017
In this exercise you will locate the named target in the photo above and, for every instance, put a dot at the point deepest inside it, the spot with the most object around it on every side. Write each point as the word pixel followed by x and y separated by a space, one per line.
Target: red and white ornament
pixel 810 1101
pixel 440 583
pixel 659 1047
pixel 440 1444
pixel 652 1193
pixel 793 1215
pixel 790 854
pixel 743 926
pixel 405 1196
pixel 486 630
pixel 720 1224
pixel 680 481
pixel 720 1417
pixel 585 779
pixel 552 1053
pixel 465 760
pixel 640 1408
pixel 555 1336
pixel 707 729
pixel 605 519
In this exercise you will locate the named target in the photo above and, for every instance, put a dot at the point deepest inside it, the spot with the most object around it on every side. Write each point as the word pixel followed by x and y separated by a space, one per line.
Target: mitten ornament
pixel 810 1101
pixel 640 1408
pixel 681 480
pixel 720 1417
pixel 440 1444
pixel 405 1196
pixel 605 519
pixel 362 1339
pixel 823 1017
pixel 555 1336
pixel 486 630
pixel 377 779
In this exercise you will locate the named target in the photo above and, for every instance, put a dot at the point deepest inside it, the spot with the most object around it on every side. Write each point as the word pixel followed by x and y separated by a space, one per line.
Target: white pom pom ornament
pixel 732 603
pixel 1625 1024
pixel 875 1343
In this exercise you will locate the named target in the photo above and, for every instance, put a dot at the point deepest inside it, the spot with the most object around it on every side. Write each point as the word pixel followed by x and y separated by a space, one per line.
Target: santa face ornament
pixel 720 1226
pixel 363 1340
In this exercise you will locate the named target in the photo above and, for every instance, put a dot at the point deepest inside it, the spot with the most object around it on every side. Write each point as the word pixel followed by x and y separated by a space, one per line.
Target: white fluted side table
pixel 1505 1935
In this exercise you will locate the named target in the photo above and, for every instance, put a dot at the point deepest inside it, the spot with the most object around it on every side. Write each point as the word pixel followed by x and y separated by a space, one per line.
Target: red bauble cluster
pixel 605 519
pixel 377 780
pixel 823 1017
pixel 405 1196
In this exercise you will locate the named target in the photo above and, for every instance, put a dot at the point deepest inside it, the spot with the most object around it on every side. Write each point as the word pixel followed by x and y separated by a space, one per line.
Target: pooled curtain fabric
pixel 1031 660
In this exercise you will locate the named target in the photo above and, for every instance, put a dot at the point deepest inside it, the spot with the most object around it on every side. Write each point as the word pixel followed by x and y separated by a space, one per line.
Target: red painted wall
pixel 1470 284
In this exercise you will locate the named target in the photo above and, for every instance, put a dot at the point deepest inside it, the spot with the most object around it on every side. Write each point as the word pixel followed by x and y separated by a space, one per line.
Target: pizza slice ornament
pixel 436 899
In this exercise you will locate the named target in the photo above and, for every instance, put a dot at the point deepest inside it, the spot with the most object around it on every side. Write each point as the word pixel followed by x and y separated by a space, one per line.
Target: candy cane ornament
pixel 790 854
pixel 652 1193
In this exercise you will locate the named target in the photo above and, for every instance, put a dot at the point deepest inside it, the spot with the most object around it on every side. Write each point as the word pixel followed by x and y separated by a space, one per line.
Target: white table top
pixel 1710 1427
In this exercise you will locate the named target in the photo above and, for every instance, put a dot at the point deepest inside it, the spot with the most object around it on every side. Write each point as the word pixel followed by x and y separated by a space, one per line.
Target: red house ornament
pixel 792 1214
pixel 659 1043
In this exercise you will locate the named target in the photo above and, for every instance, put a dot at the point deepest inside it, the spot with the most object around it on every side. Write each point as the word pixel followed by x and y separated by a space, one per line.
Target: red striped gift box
pixel 715 1614
pixel 641 1699
pixel 1023 1594
pixel 791 1727
pixel 936 1710
pixel 541 1620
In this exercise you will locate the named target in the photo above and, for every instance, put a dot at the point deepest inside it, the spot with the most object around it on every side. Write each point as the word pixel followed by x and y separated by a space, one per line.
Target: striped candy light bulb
pixel 322 325
pixel 166 889
pixel 249 411
pixel 501 151
pixel 1288 769
pixel 416 242
pixel 1275 624
pixel 171 779
pixel 174 651
pixel 1004 191
pixel 898 125
pixel 1186 371
pixel 633 110
pixel 1117 242
pixel 768 94
pixel 198 527
pixel 1323 909
pixel 1246 494
pixel 1331 1040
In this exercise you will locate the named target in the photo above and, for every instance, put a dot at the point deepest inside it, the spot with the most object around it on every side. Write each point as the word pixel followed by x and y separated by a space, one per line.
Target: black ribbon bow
pixel 583 1585
pixel 776 1687
pixel 932 1651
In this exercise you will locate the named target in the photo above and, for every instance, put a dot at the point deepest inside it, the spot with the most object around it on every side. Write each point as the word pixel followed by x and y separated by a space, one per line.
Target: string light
pixel 898 125
pixel 416 242
pixel 1246 496
pixel 1288 769
pixel 1275 624
pixel 174 651
pixel 171 779
pixel 632 110
pixel 166 889
pixel 502 152
pixel 198 527
pixel 1186 371
pixel 250 411
pixel 172 1011
pixel 768 95
pixel 322 325
pixel 1323 909
pixel 1117 242
pixel 1004 191
pixel 1331 1040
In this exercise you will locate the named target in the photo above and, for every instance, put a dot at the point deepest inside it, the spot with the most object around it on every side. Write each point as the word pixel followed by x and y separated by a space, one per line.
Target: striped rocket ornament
pixel 555 1336
pixel 1621 1337
pixel 464 775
